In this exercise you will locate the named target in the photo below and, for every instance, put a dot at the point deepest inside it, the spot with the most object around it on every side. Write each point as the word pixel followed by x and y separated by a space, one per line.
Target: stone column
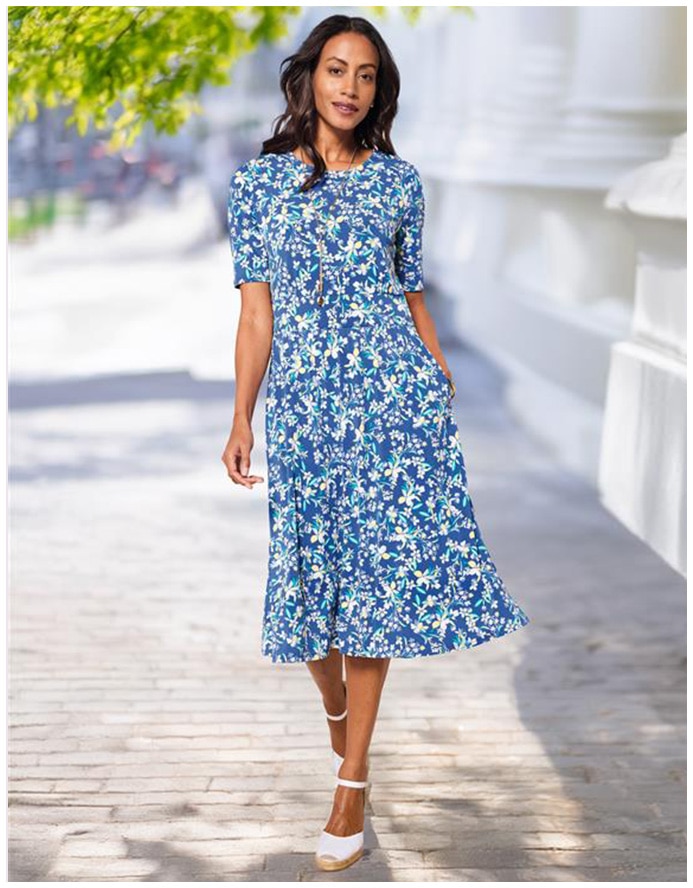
pixel 519 71
pixel 627 94
pixel 642 471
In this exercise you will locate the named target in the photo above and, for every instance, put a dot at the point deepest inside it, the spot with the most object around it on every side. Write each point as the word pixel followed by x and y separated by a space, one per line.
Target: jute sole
pixel 331 865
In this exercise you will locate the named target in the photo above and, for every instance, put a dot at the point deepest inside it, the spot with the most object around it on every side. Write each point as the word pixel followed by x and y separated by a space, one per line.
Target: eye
pixel 331 70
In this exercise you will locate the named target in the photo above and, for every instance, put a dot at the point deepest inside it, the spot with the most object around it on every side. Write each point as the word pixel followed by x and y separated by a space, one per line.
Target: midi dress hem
pixel 397 653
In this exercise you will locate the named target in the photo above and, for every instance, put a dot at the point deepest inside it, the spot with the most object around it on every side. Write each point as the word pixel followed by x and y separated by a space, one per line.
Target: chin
pixel 340 123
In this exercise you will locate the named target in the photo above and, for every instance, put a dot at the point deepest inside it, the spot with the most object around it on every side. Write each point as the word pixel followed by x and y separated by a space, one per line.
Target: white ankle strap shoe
pixel 339 852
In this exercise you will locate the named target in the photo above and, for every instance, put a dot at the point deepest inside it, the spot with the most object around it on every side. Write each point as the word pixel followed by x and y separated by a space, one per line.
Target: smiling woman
pixel 375 552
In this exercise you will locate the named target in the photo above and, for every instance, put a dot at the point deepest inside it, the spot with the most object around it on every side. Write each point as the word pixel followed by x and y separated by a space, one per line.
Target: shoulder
pixel 405 174
pixel 255 171
pixel 253 183
pixel 411 176
pixel 401 165
pixel 405 180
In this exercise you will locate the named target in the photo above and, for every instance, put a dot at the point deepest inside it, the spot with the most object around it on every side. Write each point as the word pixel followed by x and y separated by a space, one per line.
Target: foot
pixel 347 815
pixel 338 729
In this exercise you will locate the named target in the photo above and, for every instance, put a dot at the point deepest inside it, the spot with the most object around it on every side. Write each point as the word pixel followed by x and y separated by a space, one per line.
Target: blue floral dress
pixel 374 547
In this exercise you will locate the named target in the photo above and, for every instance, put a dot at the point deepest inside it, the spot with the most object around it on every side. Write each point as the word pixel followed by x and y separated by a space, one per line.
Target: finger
pixel 245 463
pixel 237 478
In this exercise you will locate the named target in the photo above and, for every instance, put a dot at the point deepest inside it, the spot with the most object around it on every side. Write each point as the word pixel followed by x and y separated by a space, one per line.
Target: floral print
pixel 374 547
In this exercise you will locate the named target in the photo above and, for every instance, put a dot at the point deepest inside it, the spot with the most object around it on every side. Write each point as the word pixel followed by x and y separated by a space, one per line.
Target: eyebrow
pixel 364 65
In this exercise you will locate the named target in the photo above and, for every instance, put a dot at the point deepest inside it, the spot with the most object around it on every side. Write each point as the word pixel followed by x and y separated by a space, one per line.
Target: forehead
pixel 354 49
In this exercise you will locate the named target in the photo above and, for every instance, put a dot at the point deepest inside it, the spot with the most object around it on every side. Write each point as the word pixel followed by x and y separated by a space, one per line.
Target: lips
pixel 345 107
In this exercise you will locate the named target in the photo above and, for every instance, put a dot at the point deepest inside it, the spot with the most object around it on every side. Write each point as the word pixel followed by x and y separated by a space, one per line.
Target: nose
pixel 349 90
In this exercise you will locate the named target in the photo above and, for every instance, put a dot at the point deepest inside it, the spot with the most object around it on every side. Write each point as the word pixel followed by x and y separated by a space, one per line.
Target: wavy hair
pixel 296 127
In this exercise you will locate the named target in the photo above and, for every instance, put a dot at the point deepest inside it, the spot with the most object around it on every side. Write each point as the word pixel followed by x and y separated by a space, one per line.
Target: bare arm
pixel 426 328
pixel 253 348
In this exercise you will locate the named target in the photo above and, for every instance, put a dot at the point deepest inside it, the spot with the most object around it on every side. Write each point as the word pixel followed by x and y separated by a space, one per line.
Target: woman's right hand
pixel 236 455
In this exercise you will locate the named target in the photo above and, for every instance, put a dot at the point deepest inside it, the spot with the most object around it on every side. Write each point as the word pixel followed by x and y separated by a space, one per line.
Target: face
pixel 344 80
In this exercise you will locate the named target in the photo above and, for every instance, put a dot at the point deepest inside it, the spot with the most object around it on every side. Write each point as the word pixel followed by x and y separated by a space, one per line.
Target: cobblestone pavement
pixel 150 741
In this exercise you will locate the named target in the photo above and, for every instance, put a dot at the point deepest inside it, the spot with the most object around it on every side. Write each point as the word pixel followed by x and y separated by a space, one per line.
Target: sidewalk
pixel 149 740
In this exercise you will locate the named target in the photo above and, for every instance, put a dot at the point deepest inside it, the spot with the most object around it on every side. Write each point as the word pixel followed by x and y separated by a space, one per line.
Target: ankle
pixel 353 769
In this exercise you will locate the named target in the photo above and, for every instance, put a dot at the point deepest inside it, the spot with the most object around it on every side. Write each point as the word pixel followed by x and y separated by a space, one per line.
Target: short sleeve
pixel 250 260
pixel 409 234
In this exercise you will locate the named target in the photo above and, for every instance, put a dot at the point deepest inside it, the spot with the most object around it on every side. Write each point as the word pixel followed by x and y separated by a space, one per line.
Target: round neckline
pixel 335 172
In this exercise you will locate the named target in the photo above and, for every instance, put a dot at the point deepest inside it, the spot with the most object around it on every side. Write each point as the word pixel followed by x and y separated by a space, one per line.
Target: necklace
pixel 321 239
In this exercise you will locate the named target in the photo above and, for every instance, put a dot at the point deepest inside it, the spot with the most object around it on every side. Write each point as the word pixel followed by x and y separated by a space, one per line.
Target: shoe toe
pixel 336 848
pixel 330 857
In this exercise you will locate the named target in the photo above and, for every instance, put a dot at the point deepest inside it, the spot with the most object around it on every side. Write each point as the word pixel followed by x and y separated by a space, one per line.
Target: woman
pixel 374 549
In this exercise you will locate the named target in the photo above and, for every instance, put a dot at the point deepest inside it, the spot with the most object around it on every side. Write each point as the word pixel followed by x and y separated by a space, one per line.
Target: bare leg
pixel 365 680
pixel 327 675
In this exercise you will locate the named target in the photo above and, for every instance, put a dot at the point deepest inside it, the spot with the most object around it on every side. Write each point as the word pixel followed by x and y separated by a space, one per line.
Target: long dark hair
pixel 296 127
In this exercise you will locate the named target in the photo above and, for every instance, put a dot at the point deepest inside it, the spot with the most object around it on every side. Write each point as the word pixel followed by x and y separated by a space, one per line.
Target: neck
pixel 335 150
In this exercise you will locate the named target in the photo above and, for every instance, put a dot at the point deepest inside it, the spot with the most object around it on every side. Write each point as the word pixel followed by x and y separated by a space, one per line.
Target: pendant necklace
pixel 321 239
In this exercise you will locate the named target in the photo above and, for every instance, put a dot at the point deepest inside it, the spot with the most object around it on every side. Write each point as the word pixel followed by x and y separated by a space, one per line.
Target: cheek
pixel 325 96
pixel 319 88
